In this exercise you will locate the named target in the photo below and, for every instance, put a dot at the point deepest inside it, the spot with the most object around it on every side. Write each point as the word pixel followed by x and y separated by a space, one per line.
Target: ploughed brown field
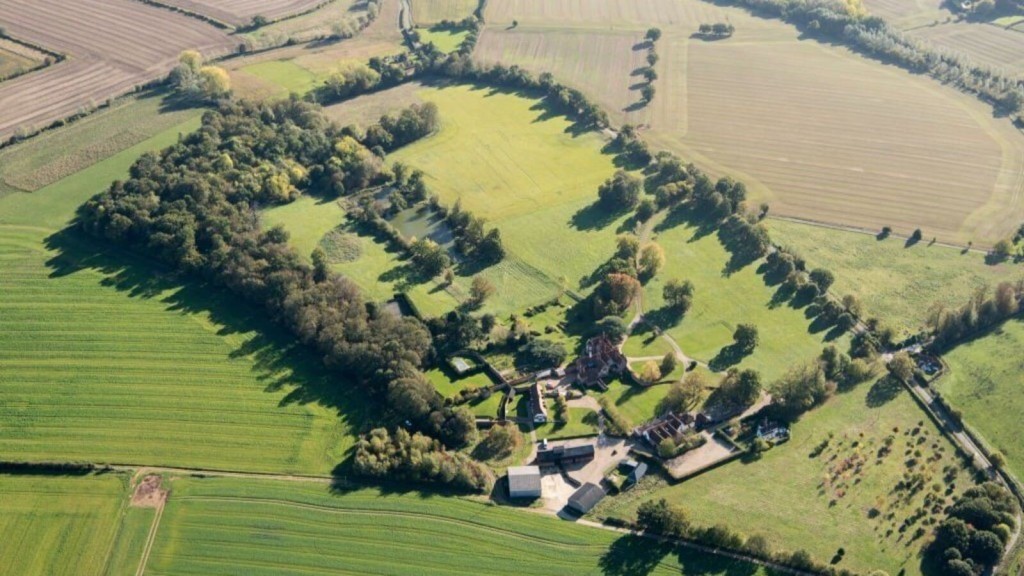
pixel 112 46
pixel 241 12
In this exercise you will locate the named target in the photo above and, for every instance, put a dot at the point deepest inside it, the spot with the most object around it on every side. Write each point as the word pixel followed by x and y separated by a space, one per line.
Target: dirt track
pixel 111 45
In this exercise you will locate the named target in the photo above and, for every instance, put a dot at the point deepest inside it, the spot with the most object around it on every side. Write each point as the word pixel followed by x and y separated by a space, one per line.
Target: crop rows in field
pixel 426 12
pixel 220 526
pixel 102 360
pixel 113 46
pixel 985 44
pixel 838 138
pixel 241 12
pixel 58 526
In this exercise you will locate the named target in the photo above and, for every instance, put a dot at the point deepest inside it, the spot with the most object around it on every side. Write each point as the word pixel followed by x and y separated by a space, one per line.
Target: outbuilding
pixel 584 499
pixel 524 482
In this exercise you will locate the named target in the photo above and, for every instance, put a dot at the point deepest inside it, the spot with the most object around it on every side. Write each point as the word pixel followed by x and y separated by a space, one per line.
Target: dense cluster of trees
pixel 739 388
pixel 982 311
pixel 717 30
pixel 620 193
pixel 471 239
pixel 379 73
pixel 678 295
pixel 193 206
pixel 845 22
pixel 195 81
pixel 805 386
pixel 417 458
pixel 972 537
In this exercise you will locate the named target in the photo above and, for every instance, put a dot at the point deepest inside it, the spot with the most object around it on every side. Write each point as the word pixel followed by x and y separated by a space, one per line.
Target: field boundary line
pixel 142 468
pixel 190 13
pixel 866 231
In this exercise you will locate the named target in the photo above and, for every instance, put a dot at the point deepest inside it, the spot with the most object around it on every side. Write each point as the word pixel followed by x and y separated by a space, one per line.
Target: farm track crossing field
pixel 838 139
pixel 220 526
pixel 59 525
pixel 241 12
pixel 425 12
pixel 103 359
pixel 113 46
pixel 896 283
pixel 984 382
pixel 805 494
pixel 55 155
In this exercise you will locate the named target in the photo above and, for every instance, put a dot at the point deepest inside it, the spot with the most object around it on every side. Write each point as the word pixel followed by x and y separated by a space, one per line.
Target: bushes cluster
pixel 982 311
pixel 193 206
pixel 417 458
pixel 717 30
pixel 379 73
pixel 616 424
pixel 805 386
pixel 471 239
pixel 972 537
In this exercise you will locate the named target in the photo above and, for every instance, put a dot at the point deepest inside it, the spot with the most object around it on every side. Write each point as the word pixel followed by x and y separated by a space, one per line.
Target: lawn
pixel 103 358
pixel 984 383
pixel 54 155
pixel 636 403
pixel 818 491
pixel 307 221
pixel 56 525
pixel 582 422
pixel 449 386
pixel 221 526
pixel 895 283
pixel 447 40
pixel 724 300
pixel 487 407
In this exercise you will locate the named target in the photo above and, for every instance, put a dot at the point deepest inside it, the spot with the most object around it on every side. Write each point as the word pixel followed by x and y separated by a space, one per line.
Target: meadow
pixel 61 525
pixel 724 299
pixel 839 138
pixel 896 283
pixel 105 358
pixel 220 526
pixel 983 382
pixel 447 40
pixel 832 486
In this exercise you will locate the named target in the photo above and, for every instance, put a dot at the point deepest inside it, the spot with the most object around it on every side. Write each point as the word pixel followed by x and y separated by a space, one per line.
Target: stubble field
pixel 837 139
pixel 426 12
pixel 241 12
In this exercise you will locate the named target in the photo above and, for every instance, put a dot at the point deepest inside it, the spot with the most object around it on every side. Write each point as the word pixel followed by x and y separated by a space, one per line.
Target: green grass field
pixel 636 403
pixel 104 359
pixel 449 386
pixel 52 156
pixel 446 40
pixel 798 497
pixel 222 526
pixel 896 284
pixel 286 74
pixel 721 302
pixel 131 541
pixel 984 383
pixel 582 422
pixel 56 525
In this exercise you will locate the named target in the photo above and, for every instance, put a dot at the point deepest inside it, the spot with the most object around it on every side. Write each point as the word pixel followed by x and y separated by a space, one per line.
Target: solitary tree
pixel 652 258
pixel 481 289
pixel 678 294
pixel 653 34
pixel 901 367
pixel 746 338
pixel 647 93
pixel 650 372
pixel 668 363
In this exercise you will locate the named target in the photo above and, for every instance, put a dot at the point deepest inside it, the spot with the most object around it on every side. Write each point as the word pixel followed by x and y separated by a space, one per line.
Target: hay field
pixel 984 383
pixel 104 359
pixel 222 526
pixel 241 12
pixel 52 156
pixel 59 525
pixel 798 497
pixel 908 13
pixel 426 12
pixel 896 283
pixel 113 46
pixel 839 138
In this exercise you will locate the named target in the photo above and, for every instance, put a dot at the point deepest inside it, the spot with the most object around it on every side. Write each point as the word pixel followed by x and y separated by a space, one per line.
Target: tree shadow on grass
pixel 278 360
pixel 665 317
pixel 633 555
pixel 727 357
pixel 883 391
pixel 594 216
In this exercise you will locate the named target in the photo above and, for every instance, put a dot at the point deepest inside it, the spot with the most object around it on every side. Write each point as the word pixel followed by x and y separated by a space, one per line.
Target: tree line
pixel 194 207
